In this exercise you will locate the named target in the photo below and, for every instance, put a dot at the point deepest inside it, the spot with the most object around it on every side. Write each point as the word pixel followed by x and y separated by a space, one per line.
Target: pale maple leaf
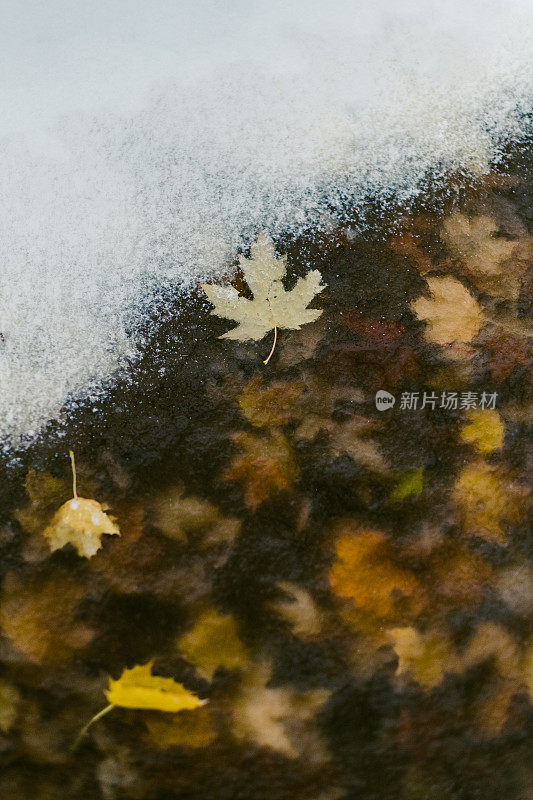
pixel 277 717
pixel 272 306
pixel 452 315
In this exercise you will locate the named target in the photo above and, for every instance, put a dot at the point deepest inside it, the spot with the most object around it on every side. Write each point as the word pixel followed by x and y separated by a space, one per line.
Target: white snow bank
pixel 142 140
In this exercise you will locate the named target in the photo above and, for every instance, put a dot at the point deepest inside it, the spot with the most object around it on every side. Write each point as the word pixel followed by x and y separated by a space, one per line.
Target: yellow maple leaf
pixel 82 523
pixel 213 642
pixel 488 499
pixel 453 317
pixel 272 306
pixel 485 430
pixel 138 688
pixel 364 572
pixel 79 522
pixel 265 465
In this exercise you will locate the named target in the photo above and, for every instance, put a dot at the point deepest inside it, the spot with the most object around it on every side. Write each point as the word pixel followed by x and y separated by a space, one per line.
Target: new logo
pixel 384 400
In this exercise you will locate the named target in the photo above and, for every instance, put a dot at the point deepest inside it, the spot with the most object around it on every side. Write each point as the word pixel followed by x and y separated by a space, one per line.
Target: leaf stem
pixel 74 491
pixel 273 346
pixel 96 717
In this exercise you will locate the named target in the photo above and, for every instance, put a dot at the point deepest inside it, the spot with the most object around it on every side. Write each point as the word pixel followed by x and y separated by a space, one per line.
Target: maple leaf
pixel 364 572
pixel 38 614
pixel 485 430
pixel 459 576
pixel 82 523
pixel 491 259
pixel 410 484
pixel 453 317
pixel 272 306
pixel 79 522
pixel 265 465
pixel 213 642
pixel 185 729
pixel 299 610
pixel 489 499
pixel 275 717
pixel 267 406
pixel 425 656
pixel 186 518
pixel 315 408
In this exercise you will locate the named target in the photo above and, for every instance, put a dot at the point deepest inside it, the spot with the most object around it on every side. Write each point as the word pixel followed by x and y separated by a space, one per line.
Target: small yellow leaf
pixel 485 430
pixel 212 643
pixel 138 688
pixel 82 523
pixel 410 484
pixel 425 656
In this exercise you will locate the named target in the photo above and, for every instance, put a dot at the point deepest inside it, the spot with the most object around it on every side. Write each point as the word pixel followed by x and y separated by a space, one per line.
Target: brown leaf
pixel 266 406
pixel 265 466
pixel 365 573
pixel 38 614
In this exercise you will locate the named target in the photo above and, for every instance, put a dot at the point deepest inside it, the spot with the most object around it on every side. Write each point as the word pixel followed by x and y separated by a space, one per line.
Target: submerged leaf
pixel 364 572
pixel 267 406
pixel 185 729
pixel 138 688
pixel 38 614
pixel 485 430
pixel 452 315
pixel 489 500
pixel 213 642
pixel 9 700
pixel 276 717
pixel 265 466
pixel 410 484
pixel 425 656
pixel 491 259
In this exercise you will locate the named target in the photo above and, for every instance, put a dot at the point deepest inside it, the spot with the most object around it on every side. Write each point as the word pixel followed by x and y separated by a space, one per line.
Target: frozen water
pixel 145 141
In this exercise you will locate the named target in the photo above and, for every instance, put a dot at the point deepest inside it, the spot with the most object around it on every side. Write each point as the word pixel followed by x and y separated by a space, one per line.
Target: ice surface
pixel 145 141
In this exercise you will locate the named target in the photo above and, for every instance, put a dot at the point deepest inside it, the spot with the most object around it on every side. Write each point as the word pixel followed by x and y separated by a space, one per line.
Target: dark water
pixel 349 588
